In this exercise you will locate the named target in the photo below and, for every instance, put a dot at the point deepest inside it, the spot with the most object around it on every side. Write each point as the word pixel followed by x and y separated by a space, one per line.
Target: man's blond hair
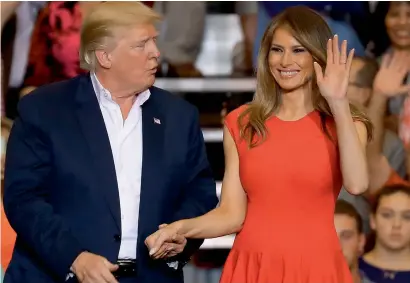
pixel 100 25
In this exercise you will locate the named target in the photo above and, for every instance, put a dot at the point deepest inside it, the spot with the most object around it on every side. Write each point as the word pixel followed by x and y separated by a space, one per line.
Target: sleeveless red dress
pixel 292 181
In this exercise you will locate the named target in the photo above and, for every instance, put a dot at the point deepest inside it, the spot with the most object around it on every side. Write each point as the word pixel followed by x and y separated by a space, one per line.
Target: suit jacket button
pixel 117 237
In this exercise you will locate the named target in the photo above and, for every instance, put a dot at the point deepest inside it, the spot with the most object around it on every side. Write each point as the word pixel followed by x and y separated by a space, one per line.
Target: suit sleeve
pixel 200 191
pixel 28 167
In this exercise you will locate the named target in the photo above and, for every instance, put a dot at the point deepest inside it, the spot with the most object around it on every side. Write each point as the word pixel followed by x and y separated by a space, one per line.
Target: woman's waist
pixel 286 240
pixel 290 218
pixel 279 231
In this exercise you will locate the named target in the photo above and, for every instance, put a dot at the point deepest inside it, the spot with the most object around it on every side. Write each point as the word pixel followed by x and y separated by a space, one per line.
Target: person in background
pixel 242 58
pixel 24 21
pixel 349 229
pixel 367 74
pixel 390 26
pixel 385 154
pixel 392 34
pixel 55 44
pixel 267 162
pixel 389 260
pixel 7 11
pixel 388 83
pixel 8 236
pixel 181 37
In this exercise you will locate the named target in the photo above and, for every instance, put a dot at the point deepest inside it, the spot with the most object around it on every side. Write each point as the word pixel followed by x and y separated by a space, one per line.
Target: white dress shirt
pixel 126 144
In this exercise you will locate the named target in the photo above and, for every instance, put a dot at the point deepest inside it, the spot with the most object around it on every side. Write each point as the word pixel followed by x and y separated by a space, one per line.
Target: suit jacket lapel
pixel 93 128
pixel 153 132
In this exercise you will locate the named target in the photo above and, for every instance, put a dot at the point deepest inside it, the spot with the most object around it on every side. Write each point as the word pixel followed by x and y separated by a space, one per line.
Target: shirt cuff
pixel 173 264
pixel 69 276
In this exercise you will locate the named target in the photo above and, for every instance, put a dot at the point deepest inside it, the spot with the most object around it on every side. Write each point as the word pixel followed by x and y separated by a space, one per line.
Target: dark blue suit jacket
pixel 61 193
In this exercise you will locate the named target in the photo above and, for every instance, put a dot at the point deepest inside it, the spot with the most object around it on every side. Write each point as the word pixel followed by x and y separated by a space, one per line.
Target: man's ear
pixel 104 58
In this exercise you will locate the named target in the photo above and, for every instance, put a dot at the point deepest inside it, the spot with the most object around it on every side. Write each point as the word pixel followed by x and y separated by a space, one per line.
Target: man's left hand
pixel 165 242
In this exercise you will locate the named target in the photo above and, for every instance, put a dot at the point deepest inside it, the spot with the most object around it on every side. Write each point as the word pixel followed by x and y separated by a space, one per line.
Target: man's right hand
pixel 92 268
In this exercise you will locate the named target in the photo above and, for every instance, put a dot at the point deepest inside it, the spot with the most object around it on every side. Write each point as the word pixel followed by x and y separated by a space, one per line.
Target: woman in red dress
pixel 287 155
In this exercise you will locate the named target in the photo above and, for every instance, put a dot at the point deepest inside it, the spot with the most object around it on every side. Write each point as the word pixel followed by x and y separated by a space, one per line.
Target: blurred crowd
pixel 40 45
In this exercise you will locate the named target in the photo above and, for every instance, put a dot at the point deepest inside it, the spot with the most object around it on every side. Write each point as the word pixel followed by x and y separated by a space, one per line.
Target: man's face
pixel 357 93
pixel 134 60
pixel 351 241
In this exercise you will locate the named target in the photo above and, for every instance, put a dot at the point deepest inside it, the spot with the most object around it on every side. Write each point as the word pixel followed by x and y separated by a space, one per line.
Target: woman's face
pixel 392 221
pixel 290 63
pixel 398 24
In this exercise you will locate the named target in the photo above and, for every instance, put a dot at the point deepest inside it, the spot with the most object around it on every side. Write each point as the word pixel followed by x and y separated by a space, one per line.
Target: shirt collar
pixel 104 95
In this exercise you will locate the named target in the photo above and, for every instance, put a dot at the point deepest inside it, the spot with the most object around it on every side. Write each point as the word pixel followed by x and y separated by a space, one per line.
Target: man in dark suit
pixel 94 164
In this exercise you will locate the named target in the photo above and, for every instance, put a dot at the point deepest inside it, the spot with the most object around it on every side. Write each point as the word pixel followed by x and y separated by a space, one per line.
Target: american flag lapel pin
pixel 157 121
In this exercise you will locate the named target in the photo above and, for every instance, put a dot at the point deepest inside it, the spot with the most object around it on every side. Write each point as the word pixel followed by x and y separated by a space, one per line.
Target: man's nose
pixel 155 51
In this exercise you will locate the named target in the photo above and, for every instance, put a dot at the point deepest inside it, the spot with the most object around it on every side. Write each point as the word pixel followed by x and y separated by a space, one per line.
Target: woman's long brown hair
pixel 311 30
